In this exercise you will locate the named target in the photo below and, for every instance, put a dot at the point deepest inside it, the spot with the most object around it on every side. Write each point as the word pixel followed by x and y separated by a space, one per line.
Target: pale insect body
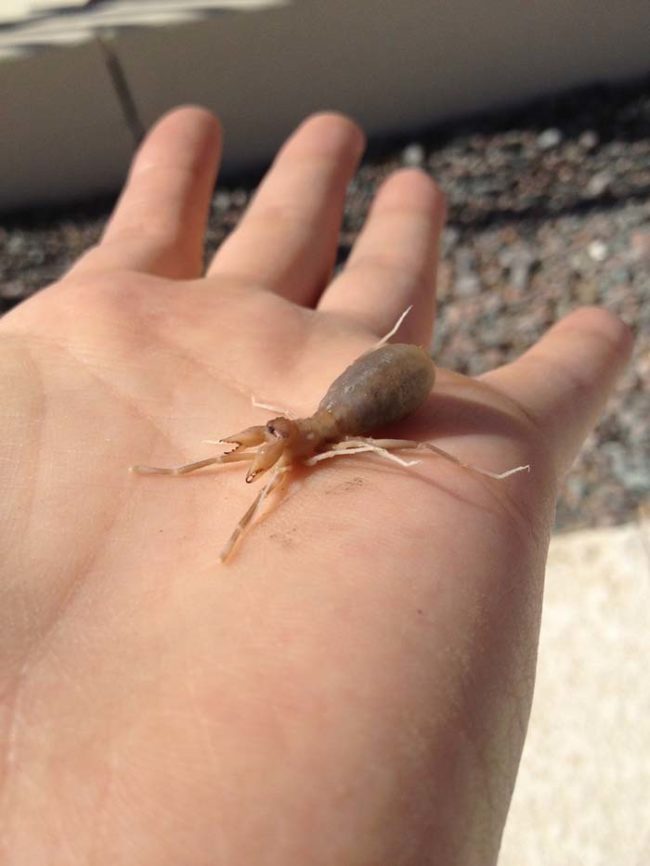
pixel 381 387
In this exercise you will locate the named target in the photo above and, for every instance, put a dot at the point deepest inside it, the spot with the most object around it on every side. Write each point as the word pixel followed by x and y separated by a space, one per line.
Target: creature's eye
pixel 279 428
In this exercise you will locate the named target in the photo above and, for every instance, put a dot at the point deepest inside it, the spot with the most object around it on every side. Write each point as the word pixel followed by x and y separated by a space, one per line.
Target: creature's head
pixel 272 442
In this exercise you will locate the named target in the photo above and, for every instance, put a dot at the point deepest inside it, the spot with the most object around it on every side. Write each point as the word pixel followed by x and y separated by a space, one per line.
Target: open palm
pixel 353 687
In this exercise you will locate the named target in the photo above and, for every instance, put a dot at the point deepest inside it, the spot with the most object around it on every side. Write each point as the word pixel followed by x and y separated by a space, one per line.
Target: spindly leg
pixel 270 485
pixel 408 444
pixel 342 449
pixel 191 467
pixel 392 331
pixel 279 410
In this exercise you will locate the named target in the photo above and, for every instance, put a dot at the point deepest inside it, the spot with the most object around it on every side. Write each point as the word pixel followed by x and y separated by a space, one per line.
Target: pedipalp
pixel 186 468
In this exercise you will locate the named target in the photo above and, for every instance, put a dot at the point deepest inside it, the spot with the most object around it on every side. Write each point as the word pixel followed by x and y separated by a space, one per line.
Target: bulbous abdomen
pixel 379 388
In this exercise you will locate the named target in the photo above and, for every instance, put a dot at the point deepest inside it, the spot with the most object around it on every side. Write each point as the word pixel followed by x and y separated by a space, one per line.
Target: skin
pixel 354 687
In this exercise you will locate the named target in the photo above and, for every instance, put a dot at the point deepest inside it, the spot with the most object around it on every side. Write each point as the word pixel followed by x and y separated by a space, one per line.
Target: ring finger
pixel 394 261
pixel 287 240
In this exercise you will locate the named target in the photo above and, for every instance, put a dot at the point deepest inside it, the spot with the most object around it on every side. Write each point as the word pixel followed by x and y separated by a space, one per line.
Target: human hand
pixel 353 687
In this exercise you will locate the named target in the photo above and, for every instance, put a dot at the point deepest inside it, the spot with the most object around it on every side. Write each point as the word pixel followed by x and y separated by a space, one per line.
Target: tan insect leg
pixel 257 404
pixel 191 467
pixel 392 331
pixel 341 450
pixel 271 484
pixel 408 444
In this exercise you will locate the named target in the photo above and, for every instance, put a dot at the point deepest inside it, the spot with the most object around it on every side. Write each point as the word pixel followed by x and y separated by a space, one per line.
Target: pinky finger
pixel 564 380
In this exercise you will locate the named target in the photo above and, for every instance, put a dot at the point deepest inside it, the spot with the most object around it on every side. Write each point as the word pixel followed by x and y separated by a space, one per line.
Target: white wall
pixel 61 129
pixel 393 65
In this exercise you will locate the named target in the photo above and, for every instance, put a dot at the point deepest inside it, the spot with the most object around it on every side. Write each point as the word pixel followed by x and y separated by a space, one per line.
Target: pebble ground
pixel 549 209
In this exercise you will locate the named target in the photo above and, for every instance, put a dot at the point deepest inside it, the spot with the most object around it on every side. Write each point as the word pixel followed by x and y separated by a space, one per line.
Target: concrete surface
pixel 63 132
pixel 583 793
pixel 393 65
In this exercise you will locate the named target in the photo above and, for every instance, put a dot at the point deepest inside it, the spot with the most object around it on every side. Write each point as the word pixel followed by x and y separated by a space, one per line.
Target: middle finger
pixel 287 239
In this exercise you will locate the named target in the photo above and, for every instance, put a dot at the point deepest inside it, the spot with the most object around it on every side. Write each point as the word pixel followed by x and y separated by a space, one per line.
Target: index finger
pixel 158 224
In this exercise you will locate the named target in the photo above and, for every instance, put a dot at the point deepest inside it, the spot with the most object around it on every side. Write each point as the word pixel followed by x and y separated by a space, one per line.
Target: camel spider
pixel 381 387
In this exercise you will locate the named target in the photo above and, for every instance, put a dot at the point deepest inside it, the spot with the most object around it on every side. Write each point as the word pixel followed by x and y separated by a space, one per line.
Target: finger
pixel 564 381
pixel 394 261
pixel 287 239
pixel 159 221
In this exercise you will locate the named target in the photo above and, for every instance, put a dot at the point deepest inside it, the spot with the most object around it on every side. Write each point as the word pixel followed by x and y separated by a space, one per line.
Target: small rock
pixel 35 256
pixel 640 245
pixel 468 286
pixel 598 184
pixel 492 358
pixel 492 275
pixel 443 281
pixel 449 239
pixel 221 201
pixel 549 139
pixel 413 155
pixel 575 489
pixel 16 244
pixel 239 198
pixel 586 292
pixel 598 251
pixel 14 290
pixel 589 139
pixel 497 334
pixel 643 367
pixel 467 283
pixel 630 469
pixel 577 262
pixel 519 261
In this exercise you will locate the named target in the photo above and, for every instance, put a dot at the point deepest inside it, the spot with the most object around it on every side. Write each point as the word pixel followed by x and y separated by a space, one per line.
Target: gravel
pixel 549 209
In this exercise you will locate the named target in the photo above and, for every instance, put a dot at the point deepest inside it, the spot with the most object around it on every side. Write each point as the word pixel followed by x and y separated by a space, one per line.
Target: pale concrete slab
pixel 393 65
pixel 63 131
pixel 583 793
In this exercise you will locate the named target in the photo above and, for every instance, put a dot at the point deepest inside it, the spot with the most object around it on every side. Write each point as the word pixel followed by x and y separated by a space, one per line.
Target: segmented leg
pixel 257 404
pixel 341 449
pixel 408 444
pixel 270 485
pixel 191 467
pixel 392 331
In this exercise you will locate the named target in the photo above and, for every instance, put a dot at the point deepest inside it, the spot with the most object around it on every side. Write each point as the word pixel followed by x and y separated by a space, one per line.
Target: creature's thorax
pixel 314 432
